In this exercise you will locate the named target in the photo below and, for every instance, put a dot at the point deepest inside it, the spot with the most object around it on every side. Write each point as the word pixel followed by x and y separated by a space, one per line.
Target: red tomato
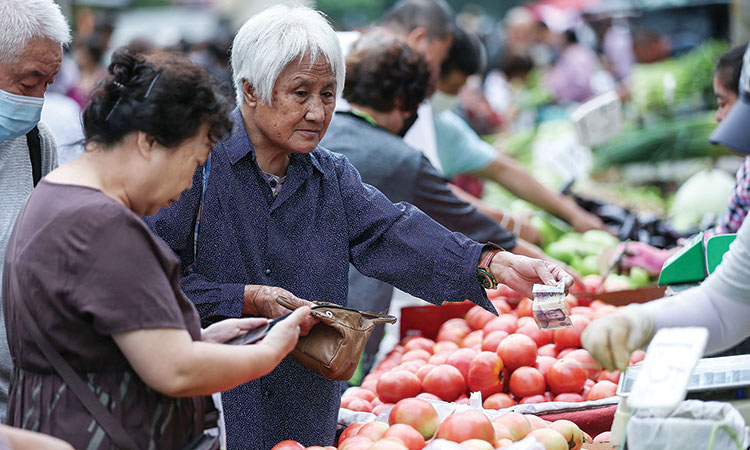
pixel 420 343
pixel 440 358
pixel 540 337
pixel 288 445
pixel 416 413
pixel 583 311
pixel 526 320
pixel 571 337
pixel 357 443
pixel 417 354
pixel 353 403
pixel 506 323
pixel 445 381
pixel 498 401
pixel 602 389
pixel 422 371
pixel 477 317
pixel 485 374
pixel 462 426
pixel 517 350
pixel 544 363
pixel 593 369
pixel 570 432
pixel 453 330
pixel 532 399
pixel 428 396
pixel 518 424
pixel 411 366
pixel 536 422
pixel 526 381
pixel 373 430
pixel 551 439
pixel 603 437
pixel 473 340
pixel 566 375
pixel 461 359
pixel 568 397
pixel 381 408
pixel 398 384
pixel 611 375
pixel 390 443
pixel 564 352
pixel 444 346
pixel 547 350
pixel 361 393
pixel 477 444
pixel 524 308
pixel 350 431
pixel 408 435
pixel 492 340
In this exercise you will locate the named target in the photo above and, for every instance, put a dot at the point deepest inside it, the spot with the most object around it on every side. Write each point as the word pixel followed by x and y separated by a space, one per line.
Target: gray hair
pixel 23 20
pixel 270 40
pixel 435 16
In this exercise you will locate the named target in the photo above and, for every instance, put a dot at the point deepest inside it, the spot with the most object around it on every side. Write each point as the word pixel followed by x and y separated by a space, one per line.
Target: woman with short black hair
pixel 105 290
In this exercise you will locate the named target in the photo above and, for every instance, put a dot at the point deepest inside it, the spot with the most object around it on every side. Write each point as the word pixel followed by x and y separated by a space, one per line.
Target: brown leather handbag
pixel 333 346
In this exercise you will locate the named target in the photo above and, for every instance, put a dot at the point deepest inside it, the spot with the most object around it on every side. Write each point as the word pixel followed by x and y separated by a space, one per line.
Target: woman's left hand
pixel 227 329
pixel 520 273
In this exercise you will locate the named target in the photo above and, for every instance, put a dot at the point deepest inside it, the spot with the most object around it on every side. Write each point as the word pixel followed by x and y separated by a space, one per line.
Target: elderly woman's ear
pixel 248 94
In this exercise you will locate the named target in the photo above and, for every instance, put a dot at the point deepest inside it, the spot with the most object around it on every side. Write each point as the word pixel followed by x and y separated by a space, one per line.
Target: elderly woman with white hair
pixel 274 213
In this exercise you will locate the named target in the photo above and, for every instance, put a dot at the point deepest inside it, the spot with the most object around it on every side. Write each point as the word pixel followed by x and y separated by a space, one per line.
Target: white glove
pixel 611 339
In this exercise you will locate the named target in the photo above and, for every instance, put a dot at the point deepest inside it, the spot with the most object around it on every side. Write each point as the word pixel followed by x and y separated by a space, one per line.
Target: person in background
pixel 282 215
pixel 462 151
pixel 721 303
pixel 105 290
pixel 569 79
pixel 31 39
pixel 385 83
pixel 62 114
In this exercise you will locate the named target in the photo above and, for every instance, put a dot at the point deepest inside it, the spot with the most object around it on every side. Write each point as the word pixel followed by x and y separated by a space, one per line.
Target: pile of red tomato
pixel 413 423
pixel 507 358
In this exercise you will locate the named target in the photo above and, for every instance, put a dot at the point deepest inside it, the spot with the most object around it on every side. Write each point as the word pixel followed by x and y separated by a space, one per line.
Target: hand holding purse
pixel 333 346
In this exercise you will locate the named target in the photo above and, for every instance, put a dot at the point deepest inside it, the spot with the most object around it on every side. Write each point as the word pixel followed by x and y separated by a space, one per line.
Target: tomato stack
pixel 507 358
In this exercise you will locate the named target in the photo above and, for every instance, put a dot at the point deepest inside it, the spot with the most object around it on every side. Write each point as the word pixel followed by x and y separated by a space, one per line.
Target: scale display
pixel 726 372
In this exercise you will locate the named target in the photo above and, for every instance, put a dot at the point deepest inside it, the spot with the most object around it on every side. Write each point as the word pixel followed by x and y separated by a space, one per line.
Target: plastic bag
pixel 693 425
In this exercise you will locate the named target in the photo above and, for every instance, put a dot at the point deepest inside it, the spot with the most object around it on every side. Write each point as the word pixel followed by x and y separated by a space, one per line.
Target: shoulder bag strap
pixel 198 215
pixel 34 142
pixel 375 317
pixel 111 426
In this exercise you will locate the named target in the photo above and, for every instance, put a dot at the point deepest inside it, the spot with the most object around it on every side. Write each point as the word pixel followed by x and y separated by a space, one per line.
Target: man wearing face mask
pixel 32 33
pixel 462 151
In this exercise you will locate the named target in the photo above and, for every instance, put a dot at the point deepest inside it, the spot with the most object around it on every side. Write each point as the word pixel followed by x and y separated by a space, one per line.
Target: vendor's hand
pixel 284 335
pixel 225 330
pixel 612 338
pixel 640 254
pixel 520 273
pixel 261 301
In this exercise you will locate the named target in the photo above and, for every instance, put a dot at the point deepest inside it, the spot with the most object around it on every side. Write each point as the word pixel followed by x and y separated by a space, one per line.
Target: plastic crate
pixel 426 320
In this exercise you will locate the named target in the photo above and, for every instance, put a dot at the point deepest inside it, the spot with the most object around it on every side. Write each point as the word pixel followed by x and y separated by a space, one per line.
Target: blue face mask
pixel 18 114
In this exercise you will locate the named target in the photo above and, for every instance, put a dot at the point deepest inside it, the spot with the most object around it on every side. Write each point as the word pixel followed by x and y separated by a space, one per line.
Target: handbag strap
pixel 375 317
pixel 199 215
pixel 34 142
pixel 111 426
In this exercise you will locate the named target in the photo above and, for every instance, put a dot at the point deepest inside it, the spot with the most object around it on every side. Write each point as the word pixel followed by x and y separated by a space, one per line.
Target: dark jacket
pixel 302 240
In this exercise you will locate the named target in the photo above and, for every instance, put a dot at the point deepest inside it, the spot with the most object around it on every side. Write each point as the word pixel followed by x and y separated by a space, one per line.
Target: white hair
pixel 23 20
pixel 272 39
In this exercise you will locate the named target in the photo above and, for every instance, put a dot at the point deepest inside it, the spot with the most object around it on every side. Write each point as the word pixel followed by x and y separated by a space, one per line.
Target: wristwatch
pixel 485 277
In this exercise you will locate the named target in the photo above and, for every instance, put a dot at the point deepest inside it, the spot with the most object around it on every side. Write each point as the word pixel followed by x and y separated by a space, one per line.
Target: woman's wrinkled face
pixel 302 105
pixel 725 99
pixel 173 169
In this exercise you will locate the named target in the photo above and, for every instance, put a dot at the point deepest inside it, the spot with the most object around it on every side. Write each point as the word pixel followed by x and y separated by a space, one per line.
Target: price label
pixel 662 381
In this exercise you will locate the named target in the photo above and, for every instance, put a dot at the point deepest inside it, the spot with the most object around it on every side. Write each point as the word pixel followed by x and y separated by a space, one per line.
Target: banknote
pixel 549 308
